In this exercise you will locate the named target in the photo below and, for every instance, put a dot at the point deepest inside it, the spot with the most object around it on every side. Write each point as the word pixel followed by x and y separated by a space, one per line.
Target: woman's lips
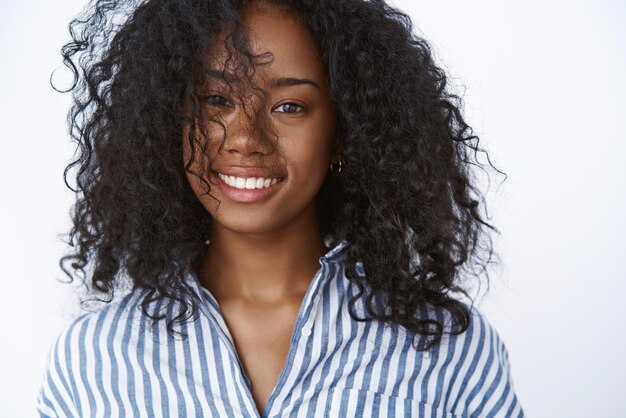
pixel 246 195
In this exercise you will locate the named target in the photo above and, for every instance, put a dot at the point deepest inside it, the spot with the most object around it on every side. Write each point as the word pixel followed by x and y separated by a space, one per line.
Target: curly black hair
pixel 407 197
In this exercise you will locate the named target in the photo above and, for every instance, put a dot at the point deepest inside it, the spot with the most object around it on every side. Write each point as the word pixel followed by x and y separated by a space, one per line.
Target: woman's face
pixel 300 112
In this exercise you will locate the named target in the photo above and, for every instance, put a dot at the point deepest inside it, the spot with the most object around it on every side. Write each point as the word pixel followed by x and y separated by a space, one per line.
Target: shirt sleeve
pixel 488 389
pixel 55 398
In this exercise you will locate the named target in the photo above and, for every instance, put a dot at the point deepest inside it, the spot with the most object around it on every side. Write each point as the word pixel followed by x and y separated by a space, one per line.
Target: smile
pixel 248 189
pixel 249 182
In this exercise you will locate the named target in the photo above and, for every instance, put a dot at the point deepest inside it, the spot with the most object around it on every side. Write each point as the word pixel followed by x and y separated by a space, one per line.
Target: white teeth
pixel 248 183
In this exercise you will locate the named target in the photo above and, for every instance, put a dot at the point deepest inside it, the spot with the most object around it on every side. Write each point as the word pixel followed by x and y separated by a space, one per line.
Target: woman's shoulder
pixel 80 350
pixel 474 350
pixel 93 328
pixel 478 372
pixel 94 321
pixel 482 334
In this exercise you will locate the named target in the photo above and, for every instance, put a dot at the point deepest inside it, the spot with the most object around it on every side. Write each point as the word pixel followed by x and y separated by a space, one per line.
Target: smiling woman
pixel 276 126
pixel 285 187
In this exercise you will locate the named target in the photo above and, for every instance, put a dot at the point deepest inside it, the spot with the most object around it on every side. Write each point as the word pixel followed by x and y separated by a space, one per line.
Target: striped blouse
pixel 117 363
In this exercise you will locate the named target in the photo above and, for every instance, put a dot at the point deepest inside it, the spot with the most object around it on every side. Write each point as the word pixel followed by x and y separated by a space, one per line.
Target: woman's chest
pixel 262 340
pixel 321 374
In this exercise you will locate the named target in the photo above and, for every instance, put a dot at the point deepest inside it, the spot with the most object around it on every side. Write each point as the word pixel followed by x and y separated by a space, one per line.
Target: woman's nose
pixel 247 132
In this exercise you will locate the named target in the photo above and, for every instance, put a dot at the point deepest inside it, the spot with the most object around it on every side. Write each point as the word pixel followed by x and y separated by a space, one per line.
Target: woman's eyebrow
pixel 292 81
pixel 273 83
pixel 220 75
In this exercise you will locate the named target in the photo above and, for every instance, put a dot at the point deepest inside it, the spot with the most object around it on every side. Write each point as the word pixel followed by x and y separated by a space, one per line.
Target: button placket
pixel 303 329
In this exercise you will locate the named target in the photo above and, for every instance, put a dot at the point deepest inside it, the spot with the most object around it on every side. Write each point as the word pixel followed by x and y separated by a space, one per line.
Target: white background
pixel 544 87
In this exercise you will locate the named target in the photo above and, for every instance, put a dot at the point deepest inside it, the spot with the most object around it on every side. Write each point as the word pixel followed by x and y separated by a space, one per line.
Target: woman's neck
pixel 264 268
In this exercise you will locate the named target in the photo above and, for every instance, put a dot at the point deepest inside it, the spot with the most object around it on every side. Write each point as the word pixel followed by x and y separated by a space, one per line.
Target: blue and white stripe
pixel 117 363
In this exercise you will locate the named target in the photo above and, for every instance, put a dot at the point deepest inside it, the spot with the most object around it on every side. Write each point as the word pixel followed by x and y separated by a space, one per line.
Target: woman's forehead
pixel 282 43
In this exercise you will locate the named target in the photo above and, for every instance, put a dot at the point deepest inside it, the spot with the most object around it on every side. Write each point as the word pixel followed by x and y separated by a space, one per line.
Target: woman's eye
pixel 216 100
pixel 289 108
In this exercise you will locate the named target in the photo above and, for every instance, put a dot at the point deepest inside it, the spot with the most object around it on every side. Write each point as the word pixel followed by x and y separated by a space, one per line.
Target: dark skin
pixel 264 254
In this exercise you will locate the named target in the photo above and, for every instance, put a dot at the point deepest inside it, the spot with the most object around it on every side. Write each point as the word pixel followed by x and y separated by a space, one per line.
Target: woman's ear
pixel 335 150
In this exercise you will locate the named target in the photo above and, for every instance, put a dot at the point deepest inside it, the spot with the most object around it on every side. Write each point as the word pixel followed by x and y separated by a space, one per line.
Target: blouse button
pixel 306 331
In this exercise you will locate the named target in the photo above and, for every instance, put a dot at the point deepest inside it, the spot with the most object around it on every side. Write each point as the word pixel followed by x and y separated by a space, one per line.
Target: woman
pixel 285 188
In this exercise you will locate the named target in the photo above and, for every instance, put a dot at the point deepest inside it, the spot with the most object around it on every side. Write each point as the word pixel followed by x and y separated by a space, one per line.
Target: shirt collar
pixel 336 253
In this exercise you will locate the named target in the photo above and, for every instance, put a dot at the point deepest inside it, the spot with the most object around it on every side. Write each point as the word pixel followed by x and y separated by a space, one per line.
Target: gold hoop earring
pixel 339 165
